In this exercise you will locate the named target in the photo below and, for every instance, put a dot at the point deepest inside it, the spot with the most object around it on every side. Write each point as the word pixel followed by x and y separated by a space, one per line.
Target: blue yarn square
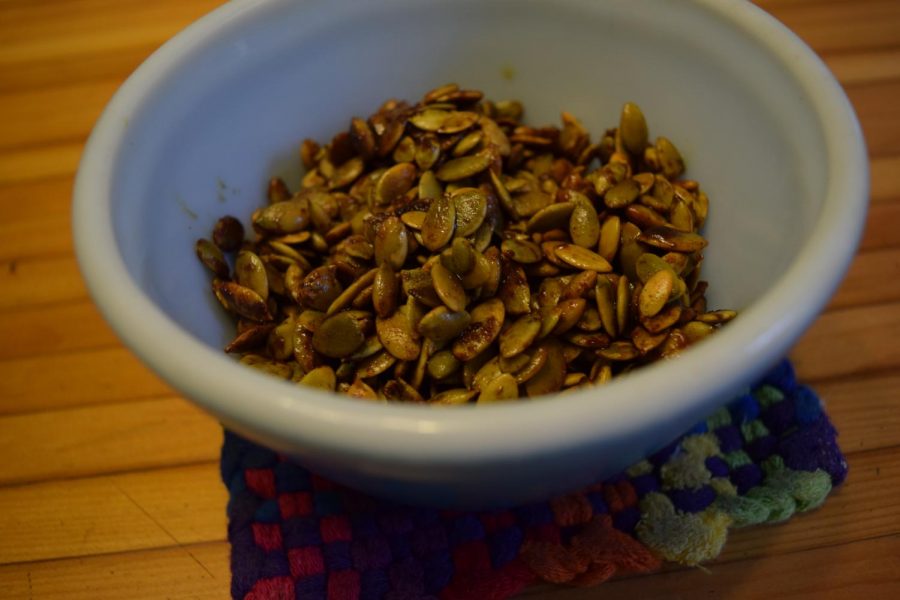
pixel 504 545
pixel 310 588
pixel 301 531
pixel 437 573
pixel 291 478
pixel 466 529
pixel 807 407
pixel 374 584
pixel 268 512
pixel 337 556
pixel 327 502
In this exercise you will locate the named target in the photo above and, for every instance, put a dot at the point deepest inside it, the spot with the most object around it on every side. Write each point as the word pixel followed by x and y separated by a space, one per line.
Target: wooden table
pixel 109 481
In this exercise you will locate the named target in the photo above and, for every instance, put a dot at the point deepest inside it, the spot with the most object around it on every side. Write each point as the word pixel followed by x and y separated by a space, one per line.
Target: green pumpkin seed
pixel 622 194
pixel 500 389
pixel 471 209
pixel 582 258
pixel 619 351
pixel 464 166
pixel 442 325
pixel 338 336
pixel 584 226
pixel 439 224
pixel 398 336
pixel 443 364
pixel 552 373
pixel 554 216
pixel 321 377
pixel 669 157
pixel 656 292
pixel 633 129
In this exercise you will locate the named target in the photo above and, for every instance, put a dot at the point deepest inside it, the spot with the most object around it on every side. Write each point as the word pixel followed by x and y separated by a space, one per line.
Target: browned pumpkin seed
pixel 552 373
pixel 319 288
pixel 439 224
pixel 241 300
pixel 427 152
pixel 413 219
pixel 645 181
pixel 471 209
pixel 716 316
pixel 668 238
pixel 499 389
pixel 391 243
pixel 644 216
pixel 554 216
pixel 398 336
pixel 211 256
pixel 623 293
pixel 385 291
pixel 645 341
pixel 360 389
pixel 375 365
pixel 454 397
pixel 590 321
pixel 393 183
pixel 250 272
pixel 228 233
pixel 487 318
pixel 521 251
pixel 464 167
pixel 352 291
pixel 519 336
pixel 663 320
pixel 569 313
pixel 515 363
pixel 514 291
pixel 448 287
pixel 347 173
pixel 619 351
pixel 582 258
pixel 261 363
pixel 250 339
pixel 656 292
pixel 610 232
pixel 288 216
pixel 580 285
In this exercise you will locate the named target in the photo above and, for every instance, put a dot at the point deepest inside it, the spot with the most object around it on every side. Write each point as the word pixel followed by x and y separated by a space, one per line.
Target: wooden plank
pixel 874 277
pixel 42 162
pixel 30 200
pixel 83 103
pixel 866 569
pixel 116 513
pixel 865 67
pixel 885 178
pixel 882 226
pixel 97 440
pixel 54 329
pixel 842 26
pixel 878 109
pixel 864 411
pixel 198 572
pixel 87 377
pixel 92 26
pixel 849 342
pixel 33 282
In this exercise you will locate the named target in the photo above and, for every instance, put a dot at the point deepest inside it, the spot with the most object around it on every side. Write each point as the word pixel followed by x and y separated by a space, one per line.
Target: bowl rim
pixel 281 413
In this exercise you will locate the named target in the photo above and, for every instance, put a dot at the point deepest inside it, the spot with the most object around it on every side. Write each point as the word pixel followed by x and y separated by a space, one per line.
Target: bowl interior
pixel 234 110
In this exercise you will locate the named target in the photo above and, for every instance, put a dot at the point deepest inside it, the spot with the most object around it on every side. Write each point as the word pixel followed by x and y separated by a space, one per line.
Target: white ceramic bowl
pixel 199 128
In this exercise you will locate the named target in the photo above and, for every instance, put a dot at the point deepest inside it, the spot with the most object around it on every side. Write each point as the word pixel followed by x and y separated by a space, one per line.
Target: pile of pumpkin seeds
pixel 444 252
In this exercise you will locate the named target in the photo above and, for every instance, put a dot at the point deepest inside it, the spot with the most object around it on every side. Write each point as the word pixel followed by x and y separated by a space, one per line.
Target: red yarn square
pixel 306 561
pixel 473 558
pixel 320 483
pixel 261 482
pixel 277 588
pixel 297 504
pixel 267 536
pixel 343 585
pixel 335 528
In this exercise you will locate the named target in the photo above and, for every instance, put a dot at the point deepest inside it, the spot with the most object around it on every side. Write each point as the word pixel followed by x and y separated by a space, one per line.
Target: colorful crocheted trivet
pixel 768 455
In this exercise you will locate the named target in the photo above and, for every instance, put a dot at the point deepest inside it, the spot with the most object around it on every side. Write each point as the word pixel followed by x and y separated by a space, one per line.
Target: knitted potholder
pixel 768 455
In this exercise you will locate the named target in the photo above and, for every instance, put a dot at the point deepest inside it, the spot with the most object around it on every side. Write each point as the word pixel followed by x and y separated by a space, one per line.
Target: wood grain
pixel 109 487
